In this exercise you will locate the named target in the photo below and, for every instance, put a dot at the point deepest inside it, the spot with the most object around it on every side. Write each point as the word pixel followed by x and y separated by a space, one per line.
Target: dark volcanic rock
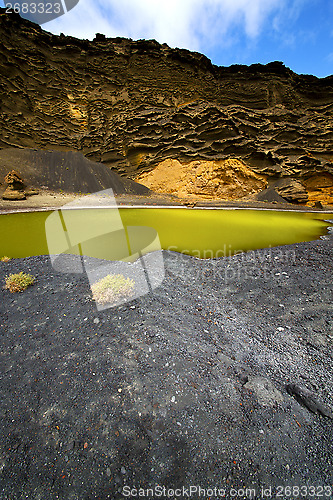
pixel 308 400
pixel 67 171
pixel 132 104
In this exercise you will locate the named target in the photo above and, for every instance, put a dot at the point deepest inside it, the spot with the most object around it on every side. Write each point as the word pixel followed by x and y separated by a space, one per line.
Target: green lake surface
pixel 126 233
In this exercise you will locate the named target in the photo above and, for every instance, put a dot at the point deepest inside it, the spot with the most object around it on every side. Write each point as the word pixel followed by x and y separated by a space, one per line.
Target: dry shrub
pixel 18 282
pixel 112 289
pixel 5 259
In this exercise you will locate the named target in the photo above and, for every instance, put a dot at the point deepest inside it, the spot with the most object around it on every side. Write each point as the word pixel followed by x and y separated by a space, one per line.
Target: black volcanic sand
pixel 183 387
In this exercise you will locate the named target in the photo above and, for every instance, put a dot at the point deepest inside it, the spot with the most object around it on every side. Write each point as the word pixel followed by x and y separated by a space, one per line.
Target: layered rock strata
pixel 132 105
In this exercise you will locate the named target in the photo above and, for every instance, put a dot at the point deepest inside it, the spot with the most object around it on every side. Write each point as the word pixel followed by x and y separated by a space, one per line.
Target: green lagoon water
pixel 122 234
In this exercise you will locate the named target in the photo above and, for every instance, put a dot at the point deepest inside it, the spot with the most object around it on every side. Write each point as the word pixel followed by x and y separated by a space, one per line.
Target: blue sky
pixel 297 32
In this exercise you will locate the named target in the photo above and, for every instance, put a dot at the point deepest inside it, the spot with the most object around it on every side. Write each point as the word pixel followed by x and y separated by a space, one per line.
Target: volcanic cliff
pixel 168 117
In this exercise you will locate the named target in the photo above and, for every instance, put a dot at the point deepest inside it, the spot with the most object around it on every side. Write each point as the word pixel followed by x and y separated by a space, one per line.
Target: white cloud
pixel 191 24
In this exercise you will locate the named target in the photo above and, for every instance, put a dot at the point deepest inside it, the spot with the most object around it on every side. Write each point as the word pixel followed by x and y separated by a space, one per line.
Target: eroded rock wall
pixel 133 105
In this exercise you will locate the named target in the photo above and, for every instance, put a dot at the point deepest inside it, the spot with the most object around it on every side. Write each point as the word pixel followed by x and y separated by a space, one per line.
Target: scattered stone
pixel 225 359
pixel 266 392
pixel 31 192
pixel 13 195
pixel 243 378
pixel 189 204
pixel 306 398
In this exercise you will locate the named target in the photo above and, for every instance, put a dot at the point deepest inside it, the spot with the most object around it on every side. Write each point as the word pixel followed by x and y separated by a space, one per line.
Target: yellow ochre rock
pixel 223 179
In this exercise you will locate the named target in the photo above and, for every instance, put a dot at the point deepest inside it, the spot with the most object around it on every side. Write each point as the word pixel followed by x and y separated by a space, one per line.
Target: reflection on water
pixel 203 233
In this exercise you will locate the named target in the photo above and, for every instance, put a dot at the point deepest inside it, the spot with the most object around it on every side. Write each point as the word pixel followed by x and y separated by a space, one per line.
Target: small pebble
pixel 96 321
pixel 123 470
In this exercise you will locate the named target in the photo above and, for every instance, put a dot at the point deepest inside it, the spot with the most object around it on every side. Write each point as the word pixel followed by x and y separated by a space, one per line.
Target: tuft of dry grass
pixel 5 259
pixel 18 282
pixel 112 289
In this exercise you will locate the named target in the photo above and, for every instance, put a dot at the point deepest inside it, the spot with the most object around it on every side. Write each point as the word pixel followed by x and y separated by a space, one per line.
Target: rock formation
pixel 133 105
pixel 15 187
pixel 223 179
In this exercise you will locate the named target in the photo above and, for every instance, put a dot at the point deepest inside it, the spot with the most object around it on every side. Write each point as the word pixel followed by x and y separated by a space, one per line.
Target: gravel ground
pixel 221 378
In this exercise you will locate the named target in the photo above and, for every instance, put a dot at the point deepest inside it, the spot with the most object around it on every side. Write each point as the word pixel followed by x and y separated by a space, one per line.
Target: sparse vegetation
pixel 18 282
pixel 112 288
pixel 5 259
